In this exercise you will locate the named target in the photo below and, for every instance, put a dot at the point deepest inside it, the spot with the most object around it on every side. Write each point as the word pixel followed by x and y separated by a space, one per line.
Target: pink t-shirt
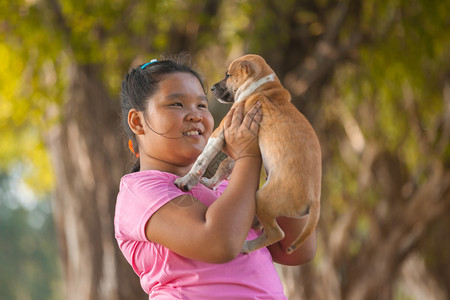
pixel 167 275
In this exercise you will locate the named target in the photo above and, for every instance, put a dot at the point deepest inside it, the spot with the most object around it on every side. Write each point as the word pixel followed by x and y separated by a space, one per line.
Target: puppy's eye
pixel 227 75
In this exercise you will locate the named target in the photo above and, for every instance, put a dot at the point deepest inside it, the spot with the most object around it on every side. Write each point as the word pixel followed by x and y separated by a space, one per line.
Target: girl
pixel 186 245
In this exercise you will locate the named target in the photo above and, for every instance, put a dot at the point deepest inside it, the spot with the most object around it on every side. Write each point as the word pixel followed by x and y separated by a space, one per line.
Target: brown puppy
pixel 289 147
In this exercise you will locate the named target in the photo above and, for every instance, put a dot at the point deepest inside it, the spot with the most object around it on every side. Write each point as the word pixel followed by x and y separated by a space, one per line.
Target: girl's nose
pixel 194 117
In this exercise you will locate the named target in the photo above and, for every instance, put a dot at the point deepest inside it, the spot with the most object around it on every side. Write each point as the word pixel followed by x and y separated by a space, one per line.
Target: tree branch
pixel 60 20
pixel 328 52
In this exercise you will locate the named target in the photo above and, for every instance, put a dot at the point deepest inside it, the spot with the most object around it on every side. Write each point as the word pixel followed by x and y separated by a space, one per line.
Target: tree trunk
pixel 88 156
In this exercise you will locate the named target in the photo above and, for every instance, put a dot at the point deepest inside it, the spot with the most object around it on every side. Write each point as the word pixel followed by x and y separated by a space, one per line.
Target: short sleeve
pixel 221 188
pixel 141 195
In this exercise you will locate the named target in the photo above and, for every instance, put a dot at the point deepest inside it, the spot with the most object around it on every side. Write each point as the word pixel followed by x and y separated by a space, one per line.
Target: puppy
pixel 289 147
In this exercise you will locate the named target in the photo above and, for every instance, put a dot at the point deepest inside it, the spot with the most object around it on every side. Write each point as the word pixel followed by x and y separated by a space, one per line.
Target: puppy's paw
pixel 209 183
pixel 186 183
pixel 246 248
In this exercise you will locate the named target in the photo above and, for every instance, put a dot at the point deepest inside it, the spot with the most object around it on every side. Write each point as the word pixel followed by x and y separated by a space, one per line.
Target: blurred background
pixel 373 78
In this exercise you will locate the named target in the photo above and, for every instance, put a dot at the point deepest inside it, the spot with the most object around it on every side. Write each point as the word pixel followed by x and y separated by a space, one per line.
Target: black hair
pixel 142 82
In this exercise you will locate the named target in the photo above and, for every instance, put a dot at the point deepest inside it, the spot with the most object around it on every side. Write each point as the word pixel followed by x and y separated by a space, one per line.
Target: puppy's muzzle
pixel 221 92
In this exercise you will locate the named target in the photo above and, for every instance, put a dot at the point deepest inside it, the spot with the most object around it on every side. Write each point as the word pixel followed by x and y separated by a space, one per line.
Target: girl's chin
pixel 191 156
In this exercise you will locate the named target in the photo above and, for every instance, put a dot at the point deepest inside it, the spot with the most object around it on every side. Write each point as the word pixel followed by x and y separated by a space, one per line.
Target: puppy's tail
pixel 311 223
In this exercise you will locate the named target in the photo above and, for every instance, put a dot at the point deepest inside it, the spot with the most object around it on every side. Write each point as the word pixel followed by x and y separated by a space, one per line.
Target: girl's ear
pixel 135 121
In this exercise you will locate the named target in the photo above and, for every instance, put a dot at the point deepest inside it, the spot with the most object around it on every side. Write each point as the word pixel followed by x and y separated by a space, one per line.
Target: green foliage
pixel 28 252
pixel 38 43
pixel 23 109
pixel 395 90
pixel 408 60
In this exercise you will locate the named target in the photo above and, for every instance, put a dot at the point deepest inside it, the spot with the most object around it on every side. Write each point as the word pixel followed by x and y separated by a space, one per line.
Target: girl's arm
pixel 292 228
pixel 215 234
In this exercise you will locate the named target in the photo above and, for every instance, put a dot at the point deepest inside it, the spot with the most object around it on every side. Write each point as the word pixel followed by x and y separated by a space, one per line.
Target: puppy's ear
pixel 246 68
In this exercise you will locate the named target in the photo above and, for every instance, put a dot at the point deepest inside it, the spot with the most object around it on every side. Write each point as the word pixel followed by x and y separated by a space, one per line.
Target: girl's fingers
pixel 238 115
pixel 236 118
pixel 241 131
pixel 249 119
pixel 254 126
pixel 228 118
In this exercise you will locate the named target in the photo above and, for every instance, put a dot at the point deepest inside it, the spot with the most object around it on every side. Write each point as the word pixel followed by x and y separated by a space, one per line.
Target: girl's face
pixel 176 124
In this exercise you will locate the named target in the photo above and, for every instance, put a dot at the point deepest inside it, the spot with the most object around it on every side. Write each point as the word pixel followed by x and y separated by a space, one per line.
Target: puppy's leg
pixel 215 143
pixel 256 224
pixel 313 218
pixel 223 172
pixel 272 232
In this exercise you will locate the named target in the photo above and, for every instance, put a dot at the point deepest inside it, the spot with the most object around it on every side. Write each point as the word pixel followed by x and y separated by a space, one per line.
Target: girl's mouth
pixel 192 132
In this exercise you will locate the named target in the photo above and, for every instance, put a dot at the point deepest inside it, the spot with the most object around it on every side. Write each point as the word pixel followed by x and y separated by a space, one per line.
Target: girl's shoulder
pixel 160 176
pixel 149 181
pixel 148 175
pixel 154 183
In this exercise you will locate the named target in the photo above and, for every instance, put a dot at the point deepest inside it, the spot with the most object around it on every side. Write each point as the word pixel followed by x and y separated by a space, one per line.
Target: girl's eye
pixel 177 104
pixel 202 106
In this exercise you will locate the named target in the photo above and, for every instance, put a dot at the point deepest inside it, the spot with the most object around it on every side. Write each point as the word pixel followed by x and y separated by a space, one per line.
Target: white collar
pixel 248 88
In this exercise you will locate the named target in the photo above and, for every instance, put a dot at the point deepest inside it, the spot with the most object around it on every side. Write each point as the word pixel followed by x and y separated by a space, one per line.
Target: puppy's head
pixel 242 71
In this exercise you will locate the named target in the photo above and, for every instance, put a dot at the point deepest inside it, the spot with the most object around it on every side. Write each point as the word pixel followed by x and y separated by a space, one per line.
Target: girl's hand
pixel 241 133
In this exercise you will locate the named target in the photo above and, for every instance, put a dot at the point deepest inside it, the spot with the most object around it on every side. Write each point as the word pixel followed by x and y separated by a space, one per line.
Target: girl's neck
pixel 154 164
